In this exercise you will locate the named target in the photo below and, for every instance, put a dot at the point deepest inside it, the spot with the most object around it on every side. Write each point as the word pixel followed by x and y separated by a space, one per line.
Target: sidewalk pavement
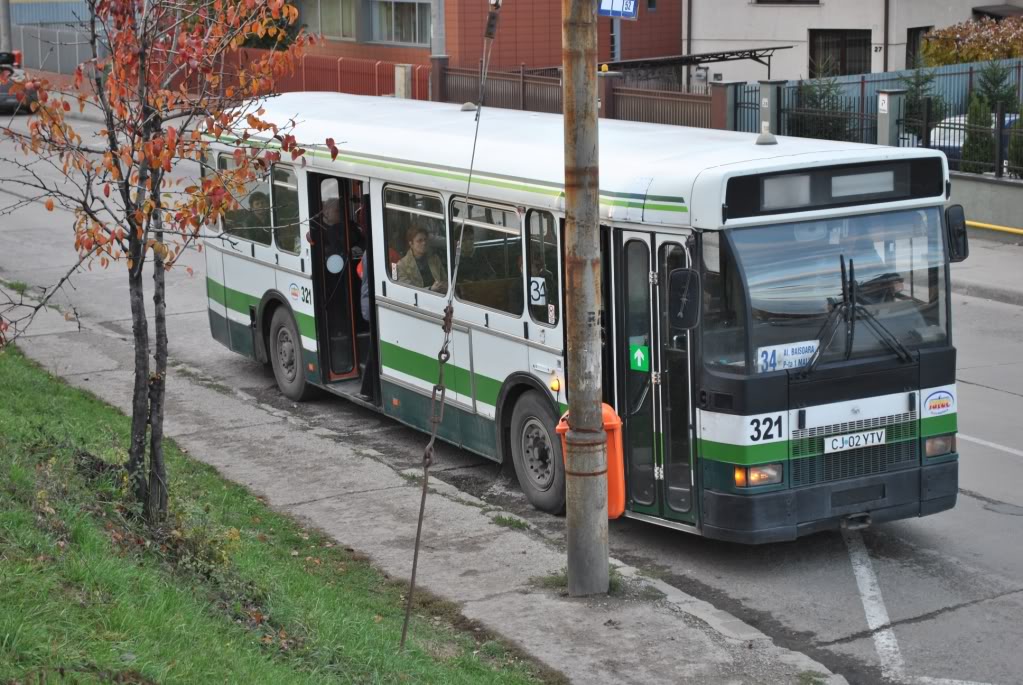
pixel 993 271
pixel 652 633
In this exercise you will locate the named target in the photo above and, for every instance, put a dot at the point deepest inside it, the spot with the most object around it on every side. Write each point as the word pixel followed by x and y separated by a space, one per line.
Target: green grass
pixel 230 591
pixel 510 522
pixel 616 584
pixel 18 286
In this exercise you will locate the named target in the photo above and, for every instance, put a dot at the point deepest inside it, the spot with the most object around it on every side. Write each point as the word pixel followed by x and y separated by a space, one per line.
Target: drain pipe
pixel 689 37
pixel 887 18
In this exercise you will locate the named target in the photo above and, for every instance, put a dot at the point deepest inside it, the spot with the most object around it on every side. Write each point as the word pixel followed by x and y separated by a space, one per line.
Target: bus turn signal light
pixel 740 476
pixel 555 384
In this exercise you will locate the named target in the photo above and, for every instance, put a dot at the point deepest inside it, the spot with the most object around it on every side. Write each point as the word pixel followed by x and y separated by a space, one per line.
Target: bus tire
pixel 536 453
pixel 285 352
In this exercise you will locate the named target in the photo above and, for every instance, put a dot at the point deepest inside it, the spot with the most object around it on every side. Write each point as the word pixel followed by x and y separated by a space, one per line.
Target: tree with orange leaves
pixel 167 78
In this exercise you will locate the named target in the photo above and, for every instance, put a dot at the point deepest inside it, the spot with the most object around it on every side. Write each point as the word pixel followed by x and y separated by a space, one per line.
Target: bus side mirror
pixel 955 226
pixel 684 298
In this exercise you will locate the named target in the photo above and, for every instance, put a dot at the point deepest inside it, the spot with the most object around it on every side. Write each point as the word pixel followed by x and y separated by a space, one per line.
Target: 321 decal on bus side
pixel 767 428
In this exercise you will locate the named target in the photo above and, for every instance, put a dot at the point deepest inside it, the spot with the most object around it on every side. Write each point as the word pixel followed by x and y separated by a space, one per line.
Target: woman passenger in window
pixel 420 267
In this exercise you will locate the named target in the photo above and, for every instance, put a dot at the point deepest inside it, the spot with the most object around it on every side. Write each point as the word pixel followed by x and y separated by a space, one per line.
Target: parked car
pixel 950 135
pixel 10 73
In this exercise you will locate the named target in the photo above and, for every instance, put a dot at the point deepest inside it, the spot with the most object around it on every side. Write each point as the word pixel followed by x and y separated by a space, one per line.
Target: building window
pixel 915 45
pixel 651 4
pixel 401 22
pixel 839 53
pixel 333 18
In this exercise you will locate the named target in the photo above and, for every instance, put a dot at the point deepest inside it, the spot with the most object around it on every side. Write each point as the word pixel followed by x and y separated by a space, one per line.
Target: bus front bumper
pixel 789 514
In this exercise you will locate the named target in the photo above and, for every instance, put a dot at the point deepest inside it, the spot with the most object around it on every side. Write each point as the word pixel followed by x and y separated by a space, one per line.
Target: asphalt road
pixel 934 600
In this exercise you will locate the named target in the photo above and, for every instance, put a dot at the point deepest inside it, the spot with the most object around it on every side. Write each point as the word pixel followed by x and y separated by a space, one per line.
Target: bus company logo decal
pixel 939 403
pixel 294 291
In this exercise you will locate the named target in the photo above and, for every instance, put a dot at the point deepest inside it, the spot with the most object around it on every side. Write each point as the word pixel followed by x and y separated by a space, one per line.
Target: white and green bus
pixel 776 318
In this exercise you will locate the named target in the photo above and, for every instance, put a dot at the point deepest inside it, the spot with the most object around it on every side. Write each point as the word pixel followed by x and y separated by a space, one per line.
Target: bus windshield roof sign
pixel 619 9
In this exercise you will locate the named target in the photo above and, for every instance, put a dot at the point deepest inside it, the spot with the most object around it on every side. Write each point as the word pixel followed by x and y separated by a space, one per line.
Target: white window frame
pixel 319 19
pixel 424 41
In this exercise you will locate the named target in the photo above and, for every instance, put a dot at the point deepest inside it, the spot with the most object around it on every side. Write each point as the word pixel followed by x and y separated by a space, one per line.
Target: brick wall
pixel 529 32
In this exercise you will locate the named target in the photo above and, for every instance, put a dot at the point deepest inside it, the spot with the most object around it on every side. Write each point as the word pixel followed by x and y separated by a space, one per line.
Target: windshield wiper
pixel 837 308
pixel 883 333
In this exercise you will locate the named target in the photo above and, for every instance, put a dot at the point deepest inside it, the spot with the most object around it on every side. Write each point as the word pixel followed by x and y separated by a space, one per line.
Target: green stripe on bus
pixel 745 455
pixel 424 367
pixel 938 425
pixel 606 197
pixel 240 302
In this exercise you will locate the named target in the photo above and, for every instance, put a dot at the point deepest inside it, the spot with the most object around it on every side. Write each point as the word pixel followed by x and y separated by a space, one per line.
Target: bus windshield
pixel 894 265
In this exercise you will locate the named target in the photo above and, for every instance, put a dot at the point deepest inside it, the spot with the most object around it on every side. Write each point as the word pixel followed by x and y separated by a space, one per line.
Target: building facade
pixel 529 31
pixel 827 36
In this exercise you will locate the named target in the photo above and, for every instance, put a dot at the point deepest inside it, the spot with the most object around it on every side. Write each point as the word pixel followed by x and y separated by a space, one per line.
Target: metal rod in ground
pixel 586 467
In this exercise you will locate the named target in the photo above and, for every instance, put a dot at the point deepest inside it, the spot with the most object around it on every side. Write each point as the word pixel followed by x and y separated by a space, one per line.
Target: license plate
pixel 854 441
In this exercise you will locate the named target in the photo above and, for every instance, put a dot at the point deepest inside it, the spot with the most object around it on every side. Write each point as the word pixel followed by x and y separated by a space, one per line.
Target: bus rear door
pixel 653 385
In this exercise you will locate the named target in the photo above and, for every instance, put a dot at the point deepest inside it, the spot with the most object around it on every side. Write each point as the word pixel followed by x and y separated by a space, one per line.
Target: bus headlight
pixel 763 474
pixel 940 445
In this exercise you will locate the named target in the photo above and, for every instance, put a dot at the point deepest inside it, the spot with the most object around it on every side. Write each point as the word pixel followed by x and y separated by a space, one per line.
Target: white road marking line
pixel 992 445
pixel 892 665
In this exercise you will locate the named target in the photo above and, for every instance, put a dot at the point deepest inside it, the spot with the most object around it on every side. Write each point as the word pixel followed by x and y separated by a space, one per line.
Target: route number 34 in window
pixel 767 428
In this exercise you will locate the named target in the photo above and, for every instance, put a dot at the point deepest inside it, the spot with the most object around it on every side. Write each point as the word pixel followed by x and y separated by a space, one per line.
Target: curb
pixel 987 292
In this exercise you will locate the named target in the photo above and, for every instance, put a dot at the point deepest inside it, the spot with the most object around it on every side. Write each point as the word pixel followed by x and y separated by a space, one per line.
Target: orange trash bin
pixel 615 459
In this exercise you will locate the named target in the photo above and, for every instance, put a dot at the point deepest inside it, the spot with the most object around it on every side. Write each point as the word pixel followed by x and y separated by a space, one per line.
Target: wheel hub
pixel 538 454
pixel 286 355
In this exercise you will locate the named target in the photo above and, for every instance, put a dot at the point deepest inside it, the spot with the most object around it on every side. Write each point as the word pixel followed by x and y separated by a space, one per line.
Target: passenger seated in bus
pixel 258 221
pixel 420 267
pixel 472 266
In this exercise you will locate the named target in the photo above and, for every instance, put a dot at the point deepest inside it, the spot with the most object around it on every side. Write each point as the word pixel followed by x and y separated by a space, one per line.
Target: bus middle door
pixel 654 391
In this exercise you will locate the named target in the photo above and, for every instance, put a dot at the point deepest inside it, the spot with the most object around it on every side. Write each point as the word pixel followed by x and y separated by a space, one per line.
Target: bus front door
pixel 654 388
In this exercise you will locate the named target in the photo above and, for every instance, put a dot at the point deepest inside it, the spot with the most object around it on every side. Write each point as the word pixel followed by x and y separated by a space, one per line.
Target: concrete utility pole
pixel 586 470
pixel 6 45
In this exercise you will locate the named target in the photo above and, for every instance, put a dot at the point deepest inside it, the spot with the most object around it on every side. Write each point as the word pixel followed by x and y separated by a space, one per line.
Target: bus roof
pixel 647 171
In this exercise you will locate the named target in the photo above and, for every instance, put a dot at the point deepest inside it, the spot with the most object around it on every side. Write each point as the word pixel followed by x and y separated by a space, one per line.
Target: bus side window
pixel 285 209
pixel 416 239
pixel 543 283
pixel 489 268
pixel 252 220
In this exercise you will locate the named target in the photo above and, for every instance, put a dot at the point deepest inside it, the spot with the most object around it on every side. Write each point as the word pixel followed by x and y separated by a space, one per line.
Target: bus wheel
pixel 286 357
pixel 536 453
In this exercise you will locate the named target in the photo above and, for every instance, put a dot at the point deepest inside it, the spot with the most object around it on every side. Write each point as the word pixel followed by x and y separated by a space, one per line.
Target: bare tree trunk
pixel 140 393
pixel 156 504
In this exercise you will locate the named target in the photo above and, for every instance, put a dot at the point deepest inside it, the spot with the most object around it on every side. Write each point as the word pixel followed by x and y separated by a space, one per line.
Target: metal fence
pixel 992 147
pixel 747 108
pixel 662 107
pixel 510 90
pixel 49 49
pixel 810 113
pixel 525 91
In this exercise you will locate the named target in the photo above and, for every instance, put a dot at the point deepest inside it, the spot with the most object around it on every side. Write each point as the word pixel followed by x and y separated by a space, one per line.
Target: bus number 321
pixel 766 429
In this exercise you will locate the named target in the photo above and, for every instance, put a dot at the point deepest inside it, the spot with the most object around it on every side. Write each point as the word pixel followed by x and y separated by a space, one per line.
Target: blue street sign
pixel 619 9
